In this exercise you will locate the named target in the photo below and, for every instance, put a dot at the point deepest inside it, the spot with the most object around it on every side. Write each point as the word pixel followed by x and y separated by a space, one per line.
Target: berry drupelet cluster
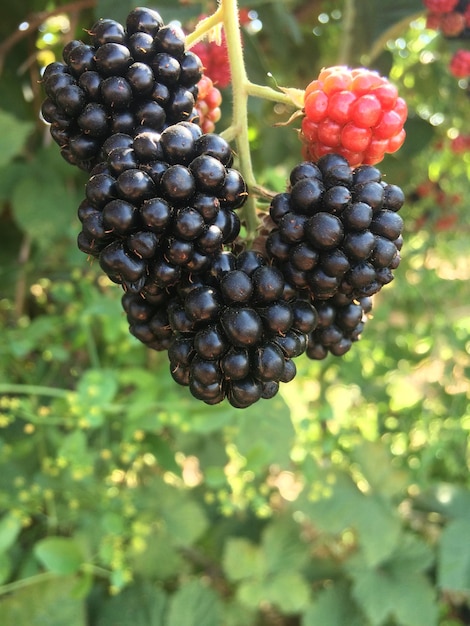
pixel 450 17
pixel 460 64
pixel 231 331
pixel 355 113
pixel 337 229
pixel 135 111
pixel 133 77
pixel 159 204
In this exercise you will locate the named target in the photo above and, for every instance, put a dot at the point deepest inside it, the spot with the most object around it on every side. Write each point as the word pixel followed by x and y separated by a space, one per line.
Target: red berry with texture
pixel 355 113
pixel 452 24
pixel 440 6
pixel 215 61
pixel 208 104
pixel 460 64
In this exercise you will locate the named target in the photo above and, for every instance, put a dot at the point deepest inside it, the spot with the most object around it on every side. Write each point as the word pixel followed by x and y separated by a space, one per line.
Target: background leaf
pixel 60 555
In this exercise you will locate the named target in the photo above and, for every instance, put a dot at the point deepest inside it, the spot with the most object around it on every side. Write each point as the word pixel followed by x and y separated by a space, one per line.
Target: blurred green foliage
pixel 344 500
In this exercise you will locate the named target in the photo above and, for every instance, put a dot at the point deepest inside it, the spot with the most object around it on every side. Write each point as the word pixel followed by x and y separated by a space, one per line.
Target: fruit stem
pixel 268 93
pixel 203 27
pixel 227 13
pixel 240 108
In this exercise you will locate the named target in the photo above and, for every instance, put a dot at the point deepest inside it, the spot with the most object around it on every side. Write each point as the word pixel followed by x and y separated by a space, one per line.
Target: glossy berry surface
pixel 355 113
pixel 131 77
pixel 336 228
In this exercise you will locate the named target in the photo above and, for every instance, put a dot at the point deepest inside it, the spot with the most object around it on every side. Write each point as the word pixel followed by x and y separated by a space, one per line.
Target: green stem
pixel 26 582
pixel 267 93
pixel 240 108
pixel 33 390
pixel 204 27
pixel 227 14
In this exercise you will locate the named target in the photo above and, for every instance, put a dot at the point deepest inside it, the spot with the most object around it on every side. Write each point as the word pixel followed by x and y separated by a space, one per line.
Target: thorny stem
pixel 242 89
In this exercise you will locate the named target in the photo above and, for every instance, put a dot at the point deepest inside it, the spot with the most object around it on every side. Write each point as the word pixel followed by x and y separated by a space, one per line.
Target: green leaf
pixel 333 607
pixel 252 593
pixel 185 520
pixel 10 527
pixel 13 134
pixel 286 590
pixel 451 501
pixel 235 614
pixel 283 547
pixel 342 505
pixel 454 557
pixel 194 605
pixel 60 555
pixel 374 460
pixel 395 591
pixel 97 387
pixel 242 559
pixel 6 567
pixel 139 605
pixel 289 591
pixel 43 207
pixel 159 560
pixel 265 437
pixel 47 603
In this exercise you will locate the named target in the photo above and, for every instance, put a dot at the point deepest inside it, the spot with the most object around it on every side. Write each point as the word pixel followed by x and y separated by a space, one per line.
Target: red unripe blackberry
pixel 355 113
pixel 460 64
pixel 440 6
pixel 208 104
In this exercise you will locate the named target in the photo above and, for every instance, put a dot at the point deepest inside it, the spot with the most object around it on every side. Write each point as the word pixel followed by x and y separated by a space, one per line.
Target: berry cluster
pixel 460 64
pixel 237 331
pixel 438 207
pixel 137 76
pixel 450 17
pixel 231 331
pixel 337 230
pixel 340 324
pixel 355 113
pixel 208 104
pixel 460 144
pixel 160 202
pixel 133 109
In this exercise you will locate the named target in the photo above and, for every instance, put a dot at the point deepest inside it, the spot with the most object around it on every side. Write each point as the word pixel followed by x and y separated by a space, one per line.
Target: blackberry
pixel 148 322
pixel 337 229
pixel 159 199
pixel 234 333
pixel 339 325
pixel 128 78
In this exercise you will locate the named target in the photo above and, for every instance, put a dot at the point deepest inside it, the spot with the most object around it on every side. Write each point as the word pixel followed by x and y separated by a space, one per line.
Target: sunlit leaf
pixel 194 605
pixel 13 134
pixel 47 603
pixel 454 557
pixel 60 555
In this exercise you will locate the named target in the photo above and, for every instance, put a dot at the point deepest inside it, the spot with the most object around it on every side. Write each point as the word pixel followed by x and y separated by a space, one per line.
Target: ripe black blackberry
pixel 129 78
pixel 337 229
pixel 340 324
pixel 234 334
pixel 160 204
pixel 148 320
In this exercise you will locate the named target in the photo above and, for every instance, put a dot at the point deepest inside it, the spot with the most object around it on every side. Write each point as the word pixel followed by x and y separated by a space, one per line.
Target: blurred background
pixel 343 501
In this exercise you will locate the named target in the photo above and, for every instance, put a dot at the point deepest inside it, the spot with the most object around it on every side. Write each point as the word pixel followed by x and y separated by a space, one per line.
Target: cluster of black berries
pixel 231 331
pixel 337 229
pixel 131 78
pixel 340 323
pixel 159 215
pixel 159 204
